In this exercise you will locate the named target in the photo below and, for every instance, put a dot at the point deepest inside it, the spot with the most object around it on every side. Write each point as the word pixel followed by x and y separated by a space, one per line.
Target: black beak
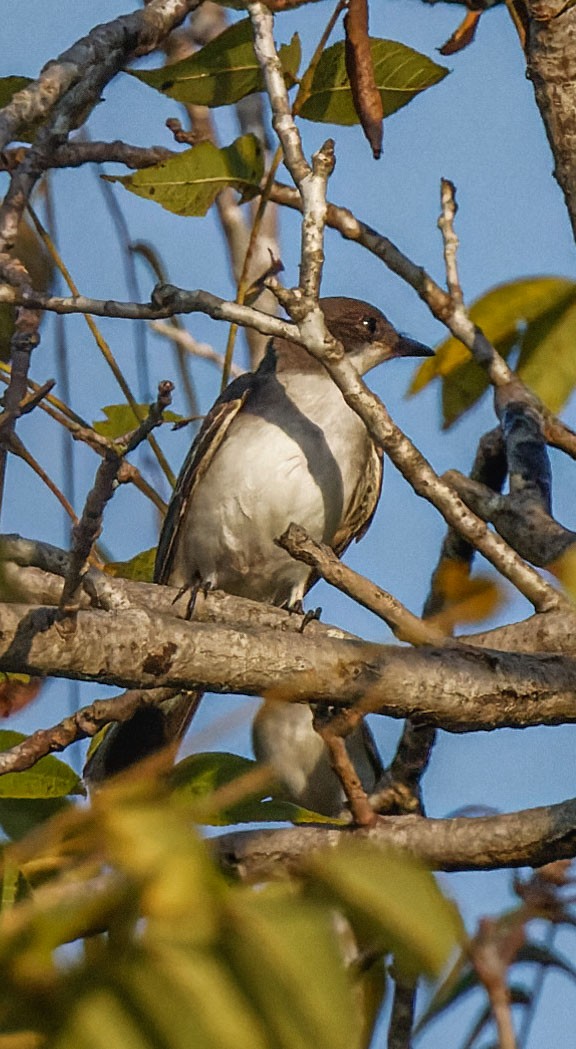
pixel 406 347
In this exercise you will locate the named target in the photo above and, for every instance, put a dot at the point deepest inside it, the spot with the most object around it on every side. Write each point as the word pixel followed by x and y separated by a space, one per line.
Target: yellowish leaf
pixel 564 568
pixel 536 315
pixel 465 599
pixel 140 567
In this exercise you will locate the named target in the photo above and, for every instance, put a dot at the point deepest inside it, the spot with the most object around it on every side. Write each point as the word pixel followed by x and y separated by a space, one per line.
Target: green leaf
pixel 18 816
pixel 196 777
pixel 285 953
pixel 121 419
pixel 547 362
pixel 95 742
pixel 400 73
pixel 276 810
pixel 199 775
pixel 153 846
pixel 140 567
pixel 97 1019
pixel 9 86
pixel 393 902
pixel 189 183
pixel 48 778
pixel 538 315
pixel 11 881
pixel 222 72
pixel 174 990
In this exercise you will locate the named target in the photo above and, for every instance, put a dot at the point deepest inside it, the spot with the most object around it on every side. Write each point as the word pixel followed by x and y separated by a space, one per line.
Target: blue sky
pixel 480 128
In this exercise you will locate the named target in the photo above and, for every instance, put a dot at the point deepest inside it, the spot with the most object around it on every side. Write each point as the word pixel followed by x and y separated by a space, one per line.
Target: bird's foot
pixel 193 591
pixel 309 616
pixel 297 608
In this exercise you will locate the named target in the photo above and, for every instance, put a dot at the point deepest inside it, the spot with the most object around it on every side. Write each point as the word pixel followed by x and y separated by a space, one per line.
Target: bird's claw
pixel 194 590
pixel 308 617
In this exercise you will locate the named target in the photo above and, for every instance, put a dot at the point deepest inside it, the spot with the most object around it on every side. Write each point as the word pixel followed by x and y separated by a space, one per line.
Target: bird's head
pixel 366 334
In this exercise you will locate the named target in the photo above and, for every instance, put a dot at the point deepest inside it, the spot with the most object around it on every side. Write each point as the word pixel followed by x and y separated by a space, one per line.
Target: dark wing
pixel 363 505
pixel 361 511
pixel 205 445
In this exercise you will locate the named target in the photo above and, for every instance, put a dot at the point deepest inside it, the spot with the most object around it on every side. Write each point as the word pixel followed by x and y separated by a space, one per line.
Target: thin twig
pixel 15 445
pixel 243 282
pixel 243 286
pixel 450 240
pixel 152 259
pixel 102 344
pixel 25 338
pixel 404 624
pixel 82 431
pixel 282 119
pixel 119 224
pixel 492 951
pixel 83 724
pixel 28 403
pixel 167 301
pixel 186 341
pixel 333 734
pixel 402 1018
pixel 88 528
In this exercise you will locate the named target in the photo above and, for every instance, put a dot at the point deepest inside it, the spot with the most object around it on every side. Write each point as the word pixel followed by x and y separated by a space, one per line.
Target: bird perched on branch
pixel 279 445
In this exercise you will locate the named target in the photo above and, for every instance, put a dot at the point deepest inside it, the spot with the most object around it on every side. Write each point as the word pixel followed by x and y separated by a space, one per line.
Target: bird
pixel 279 445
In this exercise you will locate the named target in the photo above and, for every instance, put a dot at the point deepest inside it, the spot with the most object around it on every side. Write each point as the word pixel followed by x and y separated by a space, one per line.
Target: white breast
pixel 278 463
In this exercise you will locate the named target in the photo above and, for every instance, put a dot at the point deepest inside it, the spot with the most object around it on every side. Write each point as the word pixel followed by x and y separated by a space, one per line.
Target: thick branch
pixel 531 837
pixel 41 583
pixel 518 519
pixel 461 689
pixel 551 58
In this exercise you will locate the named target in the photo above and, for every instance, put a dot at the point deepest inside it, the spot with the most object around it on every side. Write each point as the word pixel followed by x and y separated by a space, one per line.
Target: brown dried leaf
pixel 463 35
pixel 464 600
pixel 360 70
pixel 564 568
pixel 16 692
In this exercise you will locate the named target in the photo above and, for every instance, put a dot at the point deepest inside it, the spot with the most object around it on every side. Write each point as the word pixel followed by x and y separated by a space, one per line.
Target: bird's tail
pixel 162 720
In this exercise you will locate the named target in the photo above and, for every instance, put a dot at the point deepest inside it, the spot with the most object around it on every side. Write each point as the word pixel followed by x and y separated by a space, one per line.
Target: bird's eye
pixel 370 324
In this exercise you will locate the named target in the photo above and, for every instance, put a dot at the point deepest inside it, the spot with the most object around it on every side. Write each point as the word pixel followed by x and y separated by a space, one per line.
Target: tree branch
pixel 139 32
pixel 88 528
pixel 404 624
pixel 531 837
pixel 550 50
pixel 460 689
pixel 167 301
pixel 438 301
pixel 425 482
